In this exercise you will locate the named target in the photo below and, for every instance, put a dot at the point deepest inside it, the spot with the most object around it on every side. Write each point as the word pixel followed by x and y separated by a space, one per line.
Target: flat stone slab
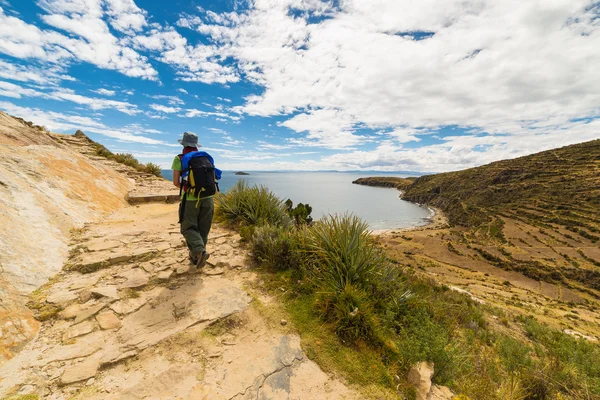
pixel 80 372
pixel 108 320
pixel 78 330
pixel 135 278
pixel 179 309
pixel 88 312
pixel 109 291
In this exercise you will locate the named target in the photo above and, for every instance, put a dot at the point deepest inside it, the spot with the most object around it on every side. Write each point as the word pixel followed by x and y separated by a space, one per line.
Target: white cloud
pixel 104 92
pixel 500 67
pixel 29 73
pixel 200 63
pixel 164 109
pixel 15 91
pixel 182 91
pixel 61 122
pixel 192 113
pixel 88 38
pixel 172 100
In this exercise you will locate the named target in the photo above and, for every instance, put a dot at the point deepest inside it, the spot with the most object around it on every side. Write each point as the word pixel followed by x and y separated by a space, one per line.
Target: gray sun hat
pixel 189 140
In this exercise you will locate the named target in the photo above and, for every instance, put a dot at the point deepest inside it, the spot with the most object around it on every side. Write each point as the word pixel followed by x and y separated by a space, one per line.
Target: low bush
pixel 275 248
pixel 153 169
pixel 252 206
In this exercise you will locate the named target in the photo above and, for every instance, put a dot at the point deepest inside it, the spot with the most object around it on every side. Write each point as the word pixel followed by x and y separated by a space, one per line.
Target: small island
pixel 242 173
pixel 385 181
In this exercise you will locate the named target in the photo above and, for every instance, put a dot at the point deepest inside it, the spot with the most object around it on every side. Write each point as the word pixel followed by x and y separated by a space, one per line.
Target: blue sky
pixel 384 85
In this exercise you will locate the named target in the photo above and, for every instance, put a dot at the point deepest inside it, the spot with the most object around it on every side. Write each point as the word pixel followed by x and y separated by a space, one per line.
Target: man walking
pixel 195 175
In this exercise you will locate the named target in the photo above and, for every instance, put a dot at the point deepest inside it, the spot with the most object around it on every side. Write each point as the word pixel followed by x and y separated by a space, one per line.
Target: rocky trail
pixel 118 314
pixel 125 319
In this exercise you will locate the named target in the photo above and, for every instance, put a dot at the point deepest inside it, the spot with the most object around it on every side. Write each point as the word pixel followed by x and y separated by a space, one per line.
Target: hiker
pixel 195 175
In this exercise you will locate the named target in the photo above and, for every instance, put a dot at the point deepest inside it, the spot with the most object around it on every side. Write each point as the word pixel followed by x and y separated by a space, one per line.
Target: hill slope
pixel 556 186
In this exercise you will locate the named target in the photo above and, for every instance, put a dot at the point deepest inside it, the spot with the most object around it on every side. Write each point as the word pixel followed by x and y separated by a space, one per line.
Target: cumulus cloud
pixel 8 89
pixel 199 63
pixel 104 92
pixel 407 69
pixel 30 73
pixel 172 100
pixel 68 123
pixel 87 37
pixel 164 109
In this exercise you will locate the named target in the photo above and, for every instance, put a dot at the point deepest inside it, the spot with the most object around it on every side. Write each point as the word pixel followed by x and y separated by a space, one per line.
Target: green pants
pixel 196 222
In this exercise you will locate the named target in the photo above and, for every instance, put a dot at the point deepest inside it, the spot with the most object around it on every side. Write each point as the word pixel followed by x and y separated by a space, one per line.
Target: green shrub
pixel 127 159
pixel 153 169
pixel 343 253
pixel 352 314
pixel 276 248
pixel 300 214
pixel 251 205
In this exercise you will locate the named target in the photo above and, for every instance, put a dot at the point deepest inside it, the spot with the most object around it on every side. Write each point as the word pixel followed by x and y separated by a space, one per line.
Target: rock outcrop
pixel 46 189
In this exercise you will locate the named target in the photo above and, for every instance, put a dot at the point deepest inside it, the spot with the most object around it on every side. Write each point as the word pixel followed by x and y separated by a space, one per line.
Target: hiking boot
pixel 193 258
pixel 202 260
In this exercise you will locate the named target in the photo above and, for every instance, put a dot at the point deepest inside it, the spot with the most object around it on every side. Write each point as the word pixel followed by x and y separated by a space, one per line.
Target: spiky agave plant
pixel 251 205
pixel 343 252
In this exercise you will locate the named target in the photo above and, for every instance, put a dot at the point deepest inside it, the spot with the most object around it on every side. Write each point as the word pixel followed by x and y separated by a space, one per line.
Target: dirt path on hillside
pixel 127 321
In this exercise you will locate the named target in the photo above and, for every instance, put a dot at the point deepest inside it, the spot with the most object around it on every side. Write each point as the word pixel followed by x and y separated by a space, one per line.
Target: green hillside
pixel 560 186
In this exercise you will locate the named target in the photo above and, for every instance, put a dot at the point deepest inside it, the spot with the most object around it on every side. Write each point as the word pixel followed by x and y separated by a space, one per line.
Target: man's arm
pixel 176 176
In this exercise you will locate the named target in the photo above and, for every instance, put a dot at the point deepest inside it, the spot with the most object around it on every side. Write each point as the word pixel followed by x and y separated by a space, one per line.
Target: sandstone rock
pixel 61 296
pixel 420 377
pixel 147 267
pixel 80 372
pixel 165 275
pixel 214 271
pixel 71 311
pixel 84 281
pixel 184 269
pixel 128 306
pixel 109 291
pixel 440 393
pixel 115 355
pixel 135 278
pixel 78 330
pixel 283 322
pixel 220 240
pixel 103 245
pixel 162 247
pixel 108 320
pixel 88 312
pixel 84 295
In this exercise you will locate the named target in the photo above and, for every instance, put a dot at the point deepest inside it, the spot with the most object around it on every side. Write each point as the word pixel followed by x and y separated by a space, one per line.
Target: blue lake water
pixel 334 192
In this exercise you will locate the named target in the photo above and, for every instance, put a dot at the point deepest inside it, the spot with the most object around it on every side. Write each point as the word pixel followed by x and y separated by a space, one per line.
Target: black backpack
pixel 200 177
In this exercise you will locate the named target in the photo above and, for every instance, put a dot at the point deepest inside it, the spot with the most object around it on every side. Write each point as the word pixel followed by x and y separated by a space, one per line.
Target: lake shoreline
pixel 437 220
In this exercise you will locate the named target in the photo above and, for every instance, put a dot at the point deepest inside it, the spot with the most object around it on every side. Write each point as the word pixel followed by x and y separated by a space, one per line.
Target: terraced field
pixel 523 234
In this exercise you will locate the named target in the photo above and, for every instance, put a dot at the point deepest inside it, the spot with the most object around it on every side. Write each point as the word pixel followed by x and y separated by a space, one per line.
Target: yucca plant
pixel 252 206
pixel 343 253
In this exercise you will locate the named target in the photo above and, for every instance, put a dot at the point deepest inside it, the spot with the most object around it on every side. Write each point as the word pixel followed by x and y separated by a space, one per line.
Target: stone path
pixel 126 320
